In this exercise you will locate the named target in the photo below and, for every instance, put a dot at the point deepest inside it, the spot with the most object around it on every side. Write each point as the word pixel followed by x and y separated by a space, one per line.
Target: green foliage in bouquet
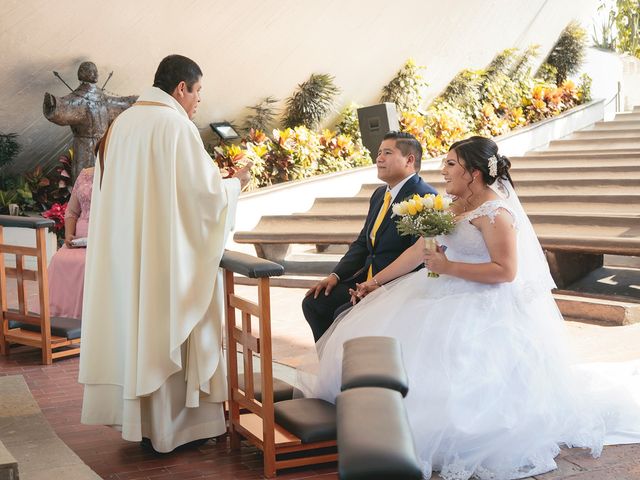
pixel 311 102
pixel 426 216
pixel 405 89
pixel 428 224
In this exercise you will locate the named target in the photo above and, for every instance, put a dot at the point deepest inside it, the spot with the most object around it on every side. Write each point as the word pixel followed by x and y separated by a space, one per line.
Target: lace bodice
pixel 79 206
pixel 466 244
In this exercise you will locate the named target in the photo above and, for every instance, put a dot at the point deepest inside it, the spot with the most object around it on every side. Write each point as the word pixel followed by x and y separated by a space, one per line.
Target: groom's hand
pixel 325 284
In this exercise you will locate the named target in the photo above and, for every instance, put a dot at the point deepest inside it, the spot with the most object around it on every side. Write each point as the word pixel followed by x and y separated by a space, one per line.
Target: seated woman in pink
pixel 66 269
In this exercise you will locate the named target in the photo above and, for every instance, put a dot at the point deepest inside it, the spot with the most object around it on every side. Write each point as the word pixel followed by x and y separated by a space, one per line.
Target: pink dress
pixel 66 269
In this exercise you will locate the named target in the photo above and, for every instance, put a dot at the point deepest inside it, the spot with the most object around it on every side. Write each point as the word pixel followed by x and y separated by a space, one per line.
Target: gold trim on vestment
pixel 154 104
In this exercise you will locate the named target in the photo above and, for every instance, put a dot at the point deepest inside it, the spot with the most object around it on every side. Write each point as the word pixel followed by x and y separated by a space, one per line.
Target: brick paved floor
pixel 58 394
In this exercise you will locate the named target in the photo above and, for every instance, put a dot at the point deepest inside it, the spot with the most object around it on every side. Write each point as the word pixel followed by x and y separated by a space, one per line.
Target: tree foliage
pixel 311 102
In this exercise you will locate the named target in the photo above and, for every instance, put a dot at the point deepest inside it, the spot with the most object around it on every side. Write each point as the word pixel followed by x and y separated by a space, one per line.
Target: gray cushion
pixel 25 222
pixel 281 389
pixel 250 266
pixel 374 362
pixel 69 328
pixel 374 437
pixel 309 419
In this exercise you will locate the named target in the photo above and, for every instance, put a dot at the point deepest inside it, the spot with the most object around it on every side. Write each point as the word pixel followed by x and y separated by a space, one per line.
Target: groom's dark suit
pixel 353 267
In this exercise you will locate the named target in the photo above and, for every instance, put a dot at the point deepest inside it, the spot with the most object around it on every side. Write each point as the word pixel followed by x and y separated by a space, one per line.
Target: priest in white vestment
pixel 152 362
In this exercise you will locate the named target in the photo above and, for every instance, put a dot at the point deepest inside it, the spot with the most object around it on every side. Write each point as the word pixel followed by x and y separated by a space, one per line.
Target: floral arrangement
pixel 291 154
pixel 491 101
pixel 425 216
pixel 406 88
pixel 56 213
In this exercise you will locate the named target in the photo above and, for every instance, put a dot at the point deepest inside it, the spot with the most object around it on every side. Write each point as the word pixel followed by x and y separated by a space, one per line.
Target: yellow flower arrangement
pixel 425 216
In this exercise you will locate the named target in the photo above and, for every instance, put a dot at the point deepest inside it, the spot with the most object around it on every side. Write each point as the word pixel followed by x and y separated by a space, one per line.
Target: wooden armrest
pixel 25 222
pixel 249 266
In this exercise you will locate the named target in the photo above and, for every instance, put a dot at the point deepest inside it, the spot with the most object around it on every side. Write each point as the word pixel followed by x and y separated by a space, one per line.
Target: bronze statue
pixel 88 111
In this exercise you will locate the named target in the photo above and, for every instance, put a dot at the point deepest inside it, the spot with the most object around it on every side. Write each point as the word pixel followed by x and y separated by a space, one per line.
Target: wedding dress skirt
pixel 491 394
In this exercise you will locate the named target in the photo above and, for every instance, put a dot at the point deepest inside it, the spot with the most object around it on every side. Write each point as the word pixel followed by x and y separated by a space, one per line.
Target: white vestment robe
pixel 152 361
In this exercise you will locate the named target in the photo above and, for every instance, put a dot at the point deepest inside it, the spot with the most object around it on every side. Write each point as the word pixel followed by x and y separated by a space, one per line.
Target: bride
pixel 491 395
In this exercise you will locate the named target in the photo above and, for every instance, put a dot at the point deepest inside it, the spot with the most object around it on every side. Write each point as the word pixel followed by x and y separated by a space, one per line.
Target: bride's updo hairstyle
pixel 478 153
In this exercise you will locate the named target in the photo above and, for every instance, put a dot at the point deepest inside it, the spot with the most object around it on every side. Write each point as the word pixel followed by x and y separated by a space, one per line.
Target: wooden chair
pixel 55 337
pixel 310 422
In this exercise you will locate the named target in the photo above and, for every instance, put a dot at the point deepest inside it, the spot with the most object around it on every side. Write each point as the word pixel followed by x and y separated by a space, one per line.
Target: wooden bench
pixel 303 431
pixel 55 337
pixel 579 216
pixel 301 426
pixel 374 437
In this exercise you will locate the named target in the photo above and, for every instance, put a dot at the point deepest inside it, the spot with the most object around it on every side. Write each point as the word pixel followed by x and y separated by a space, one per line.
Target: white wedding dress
pixel 491 395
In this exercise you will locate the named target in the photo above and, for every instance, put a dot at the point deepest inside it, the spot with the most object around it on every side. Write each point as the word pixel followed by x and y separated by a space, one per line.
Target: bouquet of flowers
pixel 56 213
pixel 426 216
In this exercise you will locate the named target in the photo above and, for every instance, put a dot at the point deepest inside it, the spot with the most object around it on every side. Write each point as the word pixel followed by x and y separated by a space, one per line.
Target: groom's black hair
pixel 407 144
pixel 175 69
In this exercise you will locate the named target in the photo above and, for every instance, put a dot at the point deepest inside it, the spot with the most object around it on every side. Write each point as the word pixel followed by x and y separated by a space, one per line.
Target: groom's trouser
pixel 321 311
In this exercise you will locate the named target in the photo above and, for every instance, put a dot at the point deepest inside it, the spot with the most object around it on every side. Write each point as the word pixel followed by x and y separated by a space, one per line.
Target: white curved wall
pixel 249 49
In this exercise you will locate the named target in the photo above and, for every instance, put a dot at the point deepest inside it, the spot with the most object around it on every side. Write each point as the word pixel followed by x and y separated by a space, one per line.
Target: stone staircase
pixel 582 194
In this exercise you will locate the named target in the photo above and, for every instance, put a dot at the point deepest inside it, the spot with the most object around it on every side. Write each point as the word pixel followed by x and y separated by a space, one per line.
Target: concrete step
pixel 597 144
pixel 600 155
pixel 532 203
pixel 579 233
pixel 567 163
pixel 575 186
pixel 8 464
pixel 614 125
pixel 613 310
pixel 604 134
pixel 559 171
pixel 626 116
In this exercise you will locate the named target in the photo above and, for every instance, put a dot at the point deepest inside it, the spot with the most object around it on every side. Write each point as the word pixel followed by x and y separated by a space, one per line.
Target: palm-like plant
pixel 405 89
pixel 9 148
pixel 311 102
pixel 568 53
pixel 263 115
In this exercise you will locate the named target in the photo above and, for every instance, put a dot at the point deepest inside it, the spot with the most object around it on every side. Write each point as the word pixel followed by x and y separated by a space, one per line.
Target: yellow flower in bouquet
pixel 426 216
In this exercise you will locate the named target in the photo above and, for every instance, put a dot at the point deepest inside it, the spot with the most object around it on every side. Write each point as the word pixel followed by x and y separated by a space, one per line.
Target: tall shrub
pixel 405 89
pixel 311 102
pixel 568 53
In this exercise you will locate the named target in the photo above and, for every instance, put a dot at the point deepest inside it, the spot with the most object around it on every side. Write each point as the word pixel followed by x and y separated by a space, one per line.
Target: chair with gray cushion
pixel 290 433
pixel 55 337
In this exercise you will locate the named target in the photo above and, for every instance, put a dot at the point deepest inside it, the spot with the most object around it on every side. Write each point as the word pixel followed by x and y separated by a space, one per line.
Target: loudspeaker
pixel 375 122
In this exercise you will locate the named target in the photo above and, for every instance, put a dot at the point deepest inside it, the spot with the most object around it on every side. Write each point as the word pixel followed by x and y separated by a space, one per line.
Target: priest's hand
pixel 244 174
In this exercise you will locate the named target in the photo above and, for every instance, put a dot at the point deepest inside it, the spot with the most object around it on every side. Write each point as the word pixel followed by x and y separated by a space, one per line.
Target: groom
pixel 379 243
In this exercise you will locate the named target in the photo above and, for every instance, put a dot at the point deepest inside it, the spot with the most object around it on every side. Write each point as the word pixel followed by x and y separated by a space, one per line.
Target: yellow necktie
pixel 376 225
